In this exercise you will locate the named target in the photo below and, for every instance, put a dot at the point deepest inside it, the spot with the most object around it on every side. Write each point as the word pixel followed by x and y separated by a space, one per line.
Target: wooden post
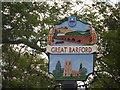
pixel 69 85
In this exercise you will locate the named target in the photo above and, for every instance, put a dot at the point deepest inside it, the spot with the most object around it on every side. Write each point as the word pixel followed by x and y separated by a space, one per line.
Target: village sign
pixel 71 45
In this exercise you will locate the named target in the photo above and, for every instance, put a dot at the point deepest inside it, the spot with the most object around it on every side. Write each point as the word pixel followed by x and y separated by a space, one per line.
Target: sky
pixel 51 1
pixel 78 27
pixel 89 1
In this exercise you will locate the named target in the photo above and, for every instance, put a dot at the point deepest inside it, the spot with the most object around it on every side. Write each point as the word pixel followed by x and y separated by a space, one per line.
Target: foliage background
pixel 25 26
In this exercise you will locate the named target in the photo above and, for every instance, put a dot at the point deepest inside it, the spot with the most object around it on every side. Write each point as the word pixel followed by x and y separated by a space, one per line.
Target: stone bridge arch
pixel 76 39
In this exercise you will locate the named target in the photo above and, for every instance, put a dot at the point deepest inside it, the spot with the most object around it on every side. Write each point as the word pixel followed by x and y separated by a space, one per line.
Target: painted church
pixel 68 72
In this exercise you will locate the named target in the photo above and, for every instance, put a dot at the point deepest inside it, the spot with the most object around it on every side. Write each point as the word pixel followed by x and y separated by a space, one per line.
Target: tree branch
pixel 26 43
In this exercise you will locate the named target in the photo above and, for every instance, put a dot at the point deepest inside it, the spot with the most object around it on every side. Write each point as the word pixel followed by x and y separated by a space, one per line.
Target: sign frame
pixel 49 53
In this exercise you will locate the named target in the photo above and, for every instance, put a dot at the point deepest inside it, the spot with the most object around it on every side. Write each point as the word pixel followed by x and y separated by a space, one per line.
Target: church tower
pixel 67 68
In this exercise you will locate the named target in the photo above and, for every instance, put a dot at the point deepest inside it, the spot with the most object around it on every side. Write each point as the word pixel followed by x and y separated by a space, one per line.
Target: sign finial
pixel 72 21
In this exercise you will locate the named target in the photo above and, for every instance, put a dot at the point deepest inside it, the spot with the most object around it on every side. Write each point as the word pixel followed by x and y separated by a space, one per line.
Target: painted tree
pixel 58 72
pixel 82 70
pixel 80 66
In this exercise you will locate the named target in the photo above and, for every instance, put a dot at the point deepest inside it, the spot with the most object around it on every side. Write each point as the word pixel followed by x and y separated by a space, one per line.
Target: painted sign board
pixel 71 45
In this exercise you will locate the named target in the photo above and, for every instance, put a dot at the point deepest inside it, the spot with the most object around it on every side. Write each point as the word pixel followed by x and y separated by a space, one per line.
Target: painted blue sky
pixel 78 27
pixel 76 59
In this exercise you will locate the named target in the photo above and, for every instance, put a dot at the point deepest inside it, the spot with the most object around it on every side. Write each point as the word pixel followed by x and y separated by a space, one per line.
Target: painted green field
pixel 72 78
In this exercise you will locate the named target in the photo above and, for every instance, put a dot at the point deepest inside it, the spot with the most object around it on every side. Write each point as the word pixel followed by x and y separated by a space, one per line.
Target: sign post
pixel 71 45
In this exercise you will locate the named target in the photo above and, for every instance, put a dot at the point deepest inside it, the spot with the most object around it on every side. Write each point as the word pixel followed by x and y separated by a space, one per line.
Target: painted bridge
pixel 76 39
